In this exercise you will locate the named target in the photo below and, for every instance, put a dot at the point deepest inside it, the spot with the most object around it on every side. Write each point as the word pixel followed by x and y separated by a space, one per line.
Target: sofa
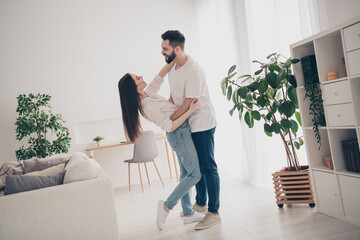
pixel 79 209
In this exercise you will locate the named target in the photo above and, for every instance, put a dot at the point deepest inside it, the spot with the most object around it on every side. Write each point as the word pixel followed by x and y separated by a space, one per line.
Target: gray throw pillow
pixel 22 183
pixel 29 165
pixel 44 163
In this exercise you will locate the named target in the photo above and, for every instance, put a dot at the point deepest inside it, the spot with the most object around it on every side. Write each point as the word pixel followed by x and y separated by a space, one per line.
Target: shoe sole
pixel 207 226
pixel 193 221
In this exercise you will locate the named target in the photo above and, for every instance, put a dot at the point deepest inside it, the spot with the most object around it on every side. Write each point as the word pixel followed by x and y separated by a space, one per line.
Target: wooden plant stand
pixel 293 187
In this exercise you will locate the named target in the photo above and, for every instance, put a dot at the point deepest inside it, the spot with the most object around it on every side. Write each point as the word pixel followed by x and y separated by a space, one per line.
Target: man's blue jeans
pixel 181 142
pixel 210 181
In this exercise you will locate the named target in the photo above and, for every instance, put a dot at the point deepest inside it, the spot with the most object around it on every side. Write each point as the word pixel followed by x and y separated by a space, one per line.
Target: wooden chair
pixel 145 150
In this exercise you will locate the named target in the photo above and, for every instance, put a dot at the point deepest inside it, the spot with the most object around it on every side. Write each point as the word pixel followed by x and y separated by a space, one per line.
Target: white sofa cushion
pixel 49 171
pixel 79 168
pixel 44 163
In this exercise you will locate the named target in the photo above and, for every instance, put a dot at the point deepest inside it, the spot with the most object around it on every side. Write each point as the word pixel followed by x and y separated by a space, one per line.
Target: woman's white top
pixel 156 108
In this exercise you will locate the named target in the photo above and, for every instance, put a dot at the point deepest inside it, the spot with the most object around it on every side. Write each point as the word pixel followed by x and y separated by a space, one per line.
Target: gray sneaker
pixel 208 221
pixel 197 208
pixel 200 209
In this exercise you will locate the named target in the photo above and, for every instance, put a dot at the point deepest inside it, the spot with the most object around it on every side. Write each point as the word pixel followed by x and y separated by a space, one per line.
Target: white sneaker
pixel 196 217
pixel 161 215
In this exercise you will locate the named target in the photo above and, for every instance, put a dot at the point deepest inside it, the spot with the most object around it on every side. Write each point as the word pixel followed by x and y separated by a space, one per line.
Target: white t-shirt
pixel 189 82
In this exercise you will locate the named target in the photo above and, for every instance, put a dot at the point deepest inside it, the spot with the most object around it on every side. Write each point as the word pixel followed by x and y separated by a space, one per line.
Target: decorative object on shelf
pixel 98 140
pixel 352 155
pixel 332 75
pixel 36 121
pixel 313 92
pixel 270 94
pixel 327 161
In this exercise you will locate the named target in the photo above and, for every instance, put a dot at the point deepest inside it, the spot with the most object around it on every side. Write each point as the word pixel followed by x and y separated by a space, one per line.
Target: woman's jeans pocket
pixel 174 138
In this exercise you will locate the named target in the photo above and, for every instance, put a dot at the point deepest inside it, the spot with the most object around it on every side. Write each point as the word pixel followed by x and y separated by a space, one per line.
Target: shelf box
pixel 329 54
pixel 353 62
pixel 317 154
pixel 350 196
pixel 355 90
pixel 299 52
pixel 340 115
pixel 336 136
pixel 336 93
pixel 328 193
pixel 352 37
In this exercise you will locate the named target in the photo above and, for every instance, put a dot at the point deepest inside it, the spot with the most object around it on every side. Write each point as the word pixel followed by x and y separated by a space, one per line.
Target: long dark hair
pixel 130 107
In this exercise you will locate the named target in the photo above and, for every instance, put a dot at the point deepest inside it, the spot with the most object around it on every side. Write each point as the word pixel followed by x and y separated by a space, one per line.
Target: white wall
pixel 334 12
pixel 76 51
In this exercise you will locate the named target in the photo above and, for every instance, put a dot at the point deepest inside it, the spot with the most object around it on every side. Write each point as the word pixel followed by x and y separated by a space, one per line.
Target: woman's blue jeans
pixel 210 181
pixel 181 142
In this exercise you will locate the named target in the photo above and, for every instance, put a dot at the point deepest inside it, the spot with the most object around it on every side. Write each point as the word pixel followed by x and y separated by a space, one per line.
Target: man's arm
pixel 182 109
pixel 194 104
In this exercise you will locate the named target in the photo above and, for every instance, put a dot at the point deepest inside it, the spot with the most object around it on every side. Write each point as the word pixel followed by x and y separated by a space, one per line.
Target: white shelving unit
pixel 337 191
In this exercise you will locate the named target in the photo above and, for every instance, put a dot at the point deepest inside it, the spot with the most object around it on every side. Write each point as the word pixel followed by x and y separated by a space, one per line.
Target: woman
pixel 135 97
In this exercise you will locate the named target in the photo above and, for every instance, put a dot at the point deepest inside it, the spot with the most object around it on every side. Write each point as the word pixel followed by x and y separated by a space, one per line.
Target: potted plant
pixel 97 140
pixel 270 95
pixel 37 122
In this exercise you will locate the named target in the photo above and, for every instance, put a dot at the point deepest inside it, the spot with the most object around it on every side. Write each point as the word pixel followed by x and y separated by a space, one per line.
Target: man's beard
pixel 170 58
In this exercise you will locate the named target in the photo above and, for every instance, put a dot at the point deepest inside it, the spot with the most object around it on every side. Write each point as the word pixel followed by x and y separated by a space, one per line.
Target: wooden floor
pixel 248 212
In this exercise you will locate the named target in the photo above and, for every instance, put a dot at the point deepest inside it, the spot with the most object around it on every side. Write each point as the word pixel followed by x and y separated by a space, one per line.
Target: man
pixel 187 81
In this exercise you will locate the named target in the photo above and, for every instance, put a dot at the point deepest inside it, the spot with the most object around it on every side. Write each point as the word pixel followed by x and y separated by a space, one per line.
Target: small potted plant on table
pixel 270 95
pixel 97 140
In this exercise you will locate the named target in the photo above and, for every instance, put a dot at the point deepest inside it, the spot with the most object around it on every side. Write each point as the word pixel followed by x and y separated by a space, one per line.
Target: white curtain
pixel 237 32
pixel 216 56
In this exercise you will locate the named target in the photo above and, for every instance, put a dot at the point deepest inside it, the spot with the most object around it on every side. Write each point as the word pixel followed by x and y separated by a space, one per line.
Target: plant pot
pixel 98 144
pixel 293 187
pixel 292 169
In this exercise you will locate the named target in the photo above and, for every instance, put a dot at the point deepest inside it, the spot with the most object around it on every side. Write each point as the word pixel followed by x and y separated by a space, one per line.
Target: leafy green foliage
pixel 98 138
pixel 316 109
pixel 269 96
pixel 35 122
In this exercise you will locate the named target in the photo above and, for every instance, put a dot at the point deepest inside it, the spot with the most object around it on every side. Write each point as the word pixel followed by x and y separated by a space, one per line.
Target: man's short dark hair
pixel 175 38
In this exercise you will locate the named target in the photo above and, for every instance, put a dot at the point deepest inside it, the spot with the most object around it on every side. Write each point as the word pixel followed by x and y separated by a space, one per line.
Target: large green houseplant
pixel 269 94
pixel 37 123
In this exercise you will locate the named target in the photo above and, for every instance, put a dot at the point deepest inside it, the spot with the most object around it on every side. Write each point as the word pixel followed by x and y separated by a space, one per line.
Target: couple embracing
pixel 189 121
